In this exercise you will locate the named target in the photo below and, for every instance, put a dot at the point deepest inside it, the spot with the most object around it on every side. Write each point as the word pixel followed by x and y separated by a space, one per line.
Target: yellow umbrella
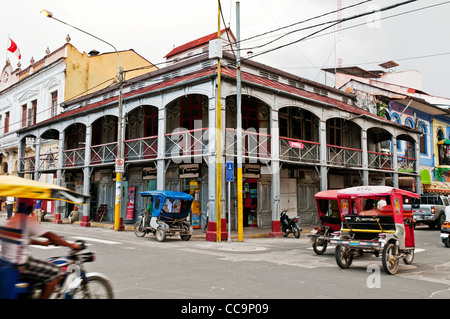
pixel 15 186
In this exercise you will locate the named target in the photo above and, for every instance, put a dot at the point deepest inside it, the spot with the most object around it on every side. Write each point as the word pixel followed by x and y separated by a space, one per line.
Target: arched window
pixel 423 138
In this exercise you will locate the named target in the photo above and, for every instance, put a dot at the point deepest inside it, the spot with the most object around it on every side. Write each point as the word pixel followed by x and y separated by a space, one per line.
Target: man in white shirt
pixel 32 269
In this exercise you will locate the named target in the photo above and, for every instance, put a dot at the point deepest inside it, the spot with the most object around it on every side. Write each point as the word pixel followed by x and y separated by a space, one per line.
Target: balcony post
pixel 275 158
pixel 86 176
pixel 323 155
pixel 160 163
pixel 59 204
pixel 37 159
pixel 395 163
pixel 365 157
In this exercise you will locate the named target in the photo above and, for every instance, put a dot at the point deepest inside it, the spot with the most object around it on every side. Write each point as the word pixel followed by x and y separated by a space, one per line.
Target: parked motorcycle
pixel 289 225
pixel 445 234
pixel 75 283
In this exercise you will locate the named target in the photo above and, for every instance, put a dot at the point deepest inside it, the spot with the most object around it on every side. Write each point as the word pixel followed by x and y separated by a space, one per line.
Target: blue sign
pixel 230 171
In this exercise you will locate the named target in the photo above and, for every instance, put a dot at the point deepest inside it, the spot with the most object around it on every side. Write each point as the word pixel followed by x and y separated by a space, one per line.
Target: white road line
pixel 102 241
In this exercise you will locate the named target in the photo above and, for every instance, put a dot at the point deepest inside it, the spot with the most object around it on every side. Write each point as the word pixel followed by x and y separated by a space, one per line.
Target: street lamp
pixel 120 152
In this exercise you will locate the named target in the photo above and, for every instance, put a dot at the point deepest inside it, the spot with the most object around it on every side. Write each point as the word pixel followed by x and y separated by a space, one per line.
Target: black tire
pixel 160 234
pixel 96 287
pixel 186 228
pixel 446 242
pixel 139 231
pixel 296 231
pixel 343 256
pixel 409 258
pixel 320 246
pixel 390 263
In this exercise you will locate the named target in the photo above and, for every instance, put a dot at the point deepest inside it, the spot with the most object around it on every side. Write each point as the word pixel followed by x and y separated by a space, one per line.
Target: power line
pixel 333 23
pixel 307 20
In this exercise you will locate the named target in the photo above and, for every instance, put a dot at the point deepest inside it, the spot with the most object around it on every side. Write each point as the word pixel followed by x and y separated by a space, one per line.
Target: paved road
pixel 281 268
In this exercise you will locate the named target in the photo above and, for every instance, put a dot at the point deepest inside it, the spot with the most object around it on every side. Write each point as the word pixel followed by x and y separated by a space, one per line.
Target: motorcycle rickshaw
pixel 330 220
pixel 11 287
pixel 373 221
pixel 162 223
pixel 445 234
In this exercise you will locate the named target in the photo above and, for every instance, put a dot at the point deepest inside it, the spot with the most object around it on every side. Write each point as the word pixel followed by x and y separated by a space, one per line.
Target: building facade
pixel 299 137
pixel 39 93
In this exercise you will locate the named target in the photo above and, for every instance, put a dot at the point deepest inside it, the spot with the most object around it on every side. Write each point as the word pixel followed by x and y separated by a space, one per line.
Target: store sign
pixel 189 171
pixel 299 145
pixel 251 171
pixel 149 173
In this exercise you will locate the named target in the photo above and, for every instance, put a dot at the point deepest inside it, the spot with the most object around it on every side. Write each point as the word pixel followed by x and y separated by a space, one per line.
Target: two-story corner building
pixel 401 95
pixel 38 93
pixel 299 137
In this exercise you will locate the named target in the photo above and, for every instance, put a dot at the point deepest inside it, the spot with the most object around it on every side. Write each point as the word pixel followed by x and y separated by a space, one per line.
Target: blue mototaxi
pixel 164 223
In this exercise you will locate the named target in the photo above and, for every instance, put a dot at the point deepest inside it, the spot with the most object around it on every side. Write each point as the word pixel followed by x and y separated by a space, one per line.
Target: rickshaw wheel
pixel 139 230
pixel 390 262
pixel 160 234
pixel 409 258
pixel 344 256
pixel 186 228
pixel 320 246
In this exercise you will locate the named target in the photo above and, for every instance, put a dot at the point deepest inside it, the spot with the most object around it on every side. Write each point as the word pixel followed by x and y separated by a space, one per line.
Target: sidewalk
pixel 249 232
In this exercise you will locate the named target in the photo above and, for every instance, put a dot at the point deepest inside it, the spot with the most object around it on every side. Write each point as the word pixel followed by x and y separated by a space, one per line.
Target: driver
pixel 31 269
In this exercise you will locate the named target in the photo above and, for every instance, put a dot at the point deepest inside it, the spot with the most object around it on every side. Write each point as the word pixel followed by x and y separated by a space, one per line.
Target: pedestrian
pixel 32 269
pixel 9 207
pixel 37 210
pixel 247 208
pixel 73 216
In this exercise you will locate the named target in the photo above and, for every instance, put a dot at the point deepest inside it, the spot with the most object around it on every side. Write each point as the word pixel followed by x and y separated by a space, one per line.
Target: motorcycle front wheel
pixel 139 229
pixel 96 287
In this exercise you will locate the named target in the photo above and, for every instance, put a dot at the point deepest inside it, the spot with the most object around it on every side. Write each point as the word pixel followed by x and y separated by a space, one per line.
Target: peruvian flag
pixel 14 49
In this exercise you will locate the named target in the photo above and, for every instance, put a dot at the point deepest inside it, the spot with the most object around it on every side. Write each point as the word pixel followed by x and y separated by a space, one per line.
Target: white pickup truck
pixel 429 210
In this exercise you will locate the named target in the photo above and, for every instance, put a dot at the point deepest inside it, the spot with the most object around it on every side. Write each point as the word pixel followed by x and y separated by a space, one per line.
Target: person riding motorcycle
pixel 31 269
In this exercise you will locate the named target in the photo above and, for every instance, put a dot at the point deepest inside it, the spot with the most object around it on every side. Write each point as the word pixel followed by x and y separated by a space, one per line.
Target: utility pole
pixel 219 145
pixel 239 127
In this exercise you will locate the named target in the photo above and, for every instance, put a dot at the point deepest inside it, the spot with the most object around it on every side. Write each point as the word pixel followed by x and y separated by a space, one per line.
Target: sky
pixel 417 40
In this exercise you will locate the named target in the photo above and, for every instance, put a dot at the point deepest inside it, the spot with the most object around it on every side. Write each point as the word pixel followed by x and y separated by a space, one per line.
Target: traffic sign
pixel 230 171
pixel 120 167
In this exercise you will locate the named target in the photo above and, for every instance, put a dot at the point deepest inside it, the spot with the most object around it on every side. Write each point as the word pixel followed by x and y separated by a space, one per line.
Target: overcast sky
pixel 153 28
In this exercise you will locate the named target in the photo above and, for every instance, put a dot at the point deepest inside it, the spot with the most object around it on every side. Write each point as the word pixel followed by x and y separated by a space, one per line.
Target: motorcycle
pixel 445 234
pixel 289 225
pixel 75 283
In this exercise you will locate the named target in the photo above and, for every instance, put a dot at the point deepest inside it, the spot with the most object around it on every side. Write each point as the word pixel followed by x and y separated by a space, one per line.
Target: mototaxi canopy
pixel 15 186
pixel 160 199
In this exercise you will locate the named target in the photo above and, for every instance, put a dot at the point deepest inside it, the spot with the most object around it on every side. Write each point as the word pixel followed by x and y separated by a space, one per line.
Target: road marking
pixel 102 241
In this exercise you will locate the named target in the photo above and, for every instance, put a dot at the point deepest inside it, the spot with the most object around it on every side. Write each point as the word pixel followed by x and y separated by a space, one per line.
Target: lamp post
pixel 120 152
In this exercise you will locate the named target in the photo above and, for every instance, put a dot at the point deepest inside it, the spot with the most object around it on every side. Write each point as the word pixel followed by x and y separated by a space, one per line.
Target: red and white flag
pixel 14 49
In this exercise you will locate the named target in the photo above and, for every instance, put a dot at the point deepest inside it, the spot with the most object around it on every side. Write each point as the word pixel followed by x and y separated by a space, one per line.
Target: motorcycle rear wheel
pixel 296 231
pixel 96 287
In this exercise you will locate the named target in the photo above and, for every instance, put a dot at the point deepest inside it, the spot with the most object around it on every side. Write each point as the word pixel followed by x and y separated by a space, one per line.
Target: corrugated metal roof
pixel 196 43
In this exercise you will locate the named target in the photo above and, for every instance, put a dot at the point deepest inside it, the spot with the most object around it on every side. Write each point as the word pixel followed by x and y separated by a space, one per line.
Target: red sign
pixel 130 202
pixel 296 144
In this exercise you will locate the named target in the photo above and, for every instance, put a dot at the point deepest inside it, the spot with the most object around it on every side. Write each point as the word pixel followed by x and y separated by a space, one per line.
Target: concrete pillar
pixel 86 176
pixel 275 161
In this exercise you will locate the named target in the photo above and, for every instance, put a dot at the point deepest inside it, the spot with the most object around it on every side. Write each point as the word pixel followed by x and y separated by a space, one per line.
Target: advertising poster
pixel 130 202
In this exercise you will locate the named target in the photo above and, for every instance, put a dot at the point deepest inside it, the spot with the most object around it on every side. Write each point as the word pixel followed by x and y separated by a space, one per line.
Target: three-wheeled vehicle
pixel 445 234
pixel 163 223
pixel 373 221
pixel 80 285
pixel 330 220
